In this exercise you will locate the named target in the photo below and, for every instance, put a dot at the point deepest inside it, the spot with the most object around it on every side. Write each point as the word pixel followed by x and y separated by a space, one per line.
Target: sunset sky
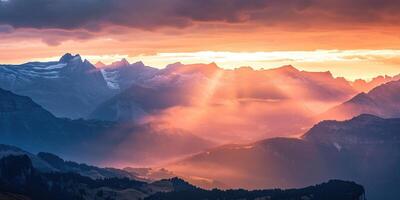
pixel 354 39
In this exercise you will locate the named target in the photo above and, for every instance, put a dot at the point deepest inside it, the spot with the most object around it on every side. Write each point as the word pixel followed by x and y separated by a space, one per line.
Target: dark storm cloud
pixel 218 10
pixel 66 14
pixel 151 14
pixel 330 12
pixel 52 37
pixel 89 14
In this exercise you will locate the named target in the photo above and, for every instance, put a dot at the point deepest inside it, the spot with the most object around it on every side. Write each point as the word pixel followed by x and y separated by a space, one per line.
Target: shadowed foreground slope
pixel 20 180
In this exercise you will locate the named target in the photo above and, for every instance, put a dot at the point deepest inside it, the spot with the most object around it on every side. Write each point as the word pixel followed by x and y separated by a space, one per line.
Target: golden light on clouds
pixel 351 64
pixel 261 34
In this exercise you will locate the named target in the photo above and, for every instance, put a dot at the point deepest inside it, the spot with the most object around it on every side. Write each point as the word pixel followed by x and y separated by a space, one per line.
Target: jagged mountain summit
pixel 69 87
pixel 121 75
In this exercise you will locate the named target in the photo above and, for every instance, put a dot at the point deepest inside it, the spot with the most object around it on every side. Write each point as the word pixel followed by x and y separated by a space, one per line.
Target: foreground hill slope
pixel 20 180
pixel 332 190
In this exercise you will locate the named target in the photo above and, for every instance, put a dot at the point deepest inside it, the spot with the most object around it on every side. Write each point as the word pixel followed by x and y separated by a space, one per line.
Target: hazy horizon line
pixel 338 62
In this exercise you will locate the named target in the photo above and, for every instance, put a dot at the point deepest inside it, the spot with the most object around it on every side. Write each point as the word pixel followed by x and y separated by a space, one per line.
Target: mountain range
pixel 124 92
pixel 211 126
pixel 26 124
pixel 74 88
pixel 21 179
pixel 263 97
pixel 364 149
pixel 69 87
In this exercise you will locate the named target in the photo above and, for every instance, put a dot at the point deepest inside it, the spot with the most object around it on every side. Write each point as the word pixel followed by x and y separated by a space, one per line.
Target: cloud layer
pixel 152 14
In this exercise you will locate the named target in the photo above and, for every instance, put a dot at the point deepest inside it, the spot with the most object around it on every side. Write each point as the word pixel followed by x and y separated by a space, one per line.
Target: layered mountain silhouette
pixel 137 115
pixel 364 149
pixel 263 97
pixel 26 124
pixel 20 179
pixel 381 101
pixel 126 92
pixel 180 84
pixel 74 88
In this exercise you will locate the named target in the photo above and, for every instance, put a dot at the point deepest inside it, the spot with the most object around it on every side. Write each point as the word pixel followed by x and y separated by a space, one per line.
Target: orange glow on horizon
pixel 350 64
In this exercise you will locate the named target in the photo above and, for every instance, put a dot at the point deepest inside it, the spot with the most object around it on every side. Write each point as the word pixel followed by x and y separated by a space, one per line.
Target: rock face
pixel 68 88
pixel 382 101
pixel 364 149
